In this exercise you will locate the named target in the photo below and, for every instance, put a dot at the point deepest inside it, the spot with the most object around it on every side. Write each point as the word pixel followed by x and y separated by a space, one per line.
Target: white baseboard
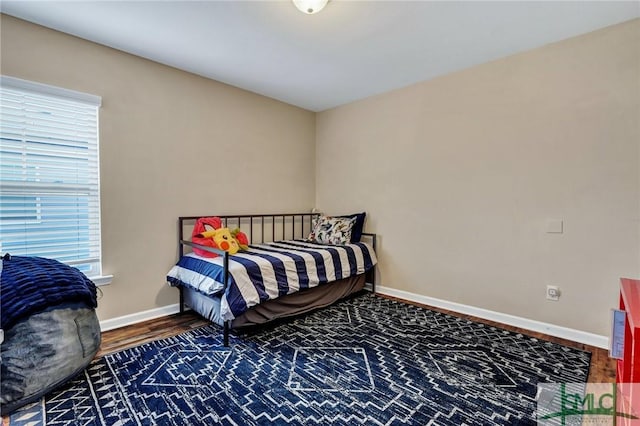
pixel 122 321
pixel 512 320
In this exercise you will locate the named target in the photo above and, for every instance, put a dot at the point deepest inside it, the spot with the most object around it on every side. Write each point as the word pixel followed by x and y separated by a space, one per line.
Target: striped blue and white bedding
pixel 267 271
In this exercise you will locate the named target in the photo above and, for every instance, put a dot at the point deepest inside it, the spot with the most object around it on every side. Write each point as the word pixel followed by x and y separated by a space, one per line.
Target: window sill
pixel 102 280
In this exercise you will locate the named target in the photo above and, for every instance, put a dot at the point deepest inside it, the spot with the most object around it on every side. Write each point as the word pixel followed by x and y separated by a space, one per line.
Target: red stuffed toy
pixel 205 224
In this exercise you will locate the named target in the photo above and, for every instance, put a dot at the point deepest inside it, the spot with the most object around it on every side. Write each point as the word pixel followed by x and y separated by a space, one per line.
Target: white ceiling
pixel 349 51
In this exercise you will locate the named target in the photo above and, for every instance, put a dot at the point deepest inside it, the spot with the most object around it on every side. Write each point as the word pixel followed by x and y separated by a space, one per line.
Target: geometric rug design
pixel 366 360
pixel 330 370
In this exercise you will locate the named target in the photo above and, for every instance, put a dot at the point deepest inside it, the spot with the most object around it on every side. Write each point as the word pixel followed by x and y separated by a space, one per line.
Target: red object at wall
pixel 628 368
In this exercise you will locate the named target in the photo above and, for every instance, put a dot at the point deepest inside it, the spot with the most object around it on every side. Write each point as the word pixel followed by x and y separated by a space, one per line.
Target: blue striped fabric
pixel 268 271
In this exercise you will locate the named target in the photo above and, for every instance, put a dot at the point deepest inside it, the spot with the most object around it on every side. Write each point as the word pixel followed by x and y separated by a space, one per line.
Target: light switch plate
pixel 555 226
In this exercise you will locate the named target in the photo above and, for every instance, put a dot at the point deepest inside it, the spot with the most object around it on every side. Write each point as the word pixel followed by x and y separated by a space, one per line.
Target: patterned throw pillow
pixel 332 230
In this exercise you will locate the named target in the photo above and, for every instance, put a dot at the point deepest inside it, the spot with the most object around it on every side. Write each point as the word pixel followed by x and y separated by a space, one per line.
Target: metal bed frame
pixel 279 227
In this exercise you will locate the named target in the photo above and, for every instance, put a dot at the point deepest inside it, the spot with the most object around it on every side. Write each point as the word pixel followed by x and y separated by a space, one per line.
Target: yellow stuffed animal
pixel 223 239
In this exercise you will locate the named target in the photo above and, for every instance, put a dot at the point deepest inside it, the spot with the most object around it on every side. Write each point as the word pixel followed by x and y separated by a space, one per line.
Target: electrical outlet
pixel 553 292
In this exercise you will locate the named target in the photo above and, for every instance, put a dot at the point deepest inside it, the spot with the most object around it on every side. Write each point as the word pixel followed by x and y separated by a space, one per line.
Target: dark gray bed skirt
pixel 285 306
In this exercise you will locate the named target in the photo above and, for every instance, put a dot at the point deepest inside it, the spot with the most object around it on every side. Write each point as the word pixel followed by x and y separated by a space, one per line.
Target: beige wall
pixel 171 144
pixel 460 174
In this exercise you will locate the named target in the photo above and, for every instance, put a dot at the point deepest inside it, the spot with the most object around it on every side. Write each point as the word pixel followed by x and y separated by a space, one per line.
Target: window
pixel 49 174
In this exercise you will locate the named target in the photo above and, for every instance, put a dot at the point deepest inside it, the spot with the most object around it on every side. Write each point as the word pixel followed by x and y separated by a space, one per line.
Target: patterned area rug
pixel 367 360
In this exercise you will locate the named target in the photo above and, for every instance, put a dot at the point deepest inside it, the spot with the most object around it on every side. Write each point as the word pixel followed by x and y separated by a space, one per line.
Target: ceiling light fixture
pixel 310 6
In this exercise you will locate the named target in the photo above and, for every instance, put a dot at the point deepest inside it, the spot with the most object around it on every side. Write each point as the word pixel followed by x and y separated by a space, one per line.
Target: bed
pixel 283 273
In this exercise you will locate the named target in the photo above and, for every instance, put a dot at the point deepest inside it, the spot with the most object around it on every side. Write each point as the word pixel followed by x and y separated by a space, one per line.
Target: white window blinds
pixel 49 174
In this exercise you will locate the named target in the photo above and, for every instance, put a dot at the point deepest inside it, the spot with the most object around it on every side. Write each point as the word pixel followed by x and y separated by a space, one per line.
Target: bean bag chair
pixel 51 331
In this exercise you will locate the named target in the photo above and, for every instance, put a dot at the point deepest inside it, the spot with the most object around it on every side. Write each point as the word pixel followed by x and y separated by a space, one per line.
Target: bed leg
pixel 181 300
pixel 370 277
pixel 226 334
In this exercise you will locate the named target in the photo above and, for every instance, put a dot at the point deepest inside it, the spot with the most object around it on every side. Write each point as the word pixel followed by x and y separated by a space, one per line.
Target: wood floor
pixel 603 369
